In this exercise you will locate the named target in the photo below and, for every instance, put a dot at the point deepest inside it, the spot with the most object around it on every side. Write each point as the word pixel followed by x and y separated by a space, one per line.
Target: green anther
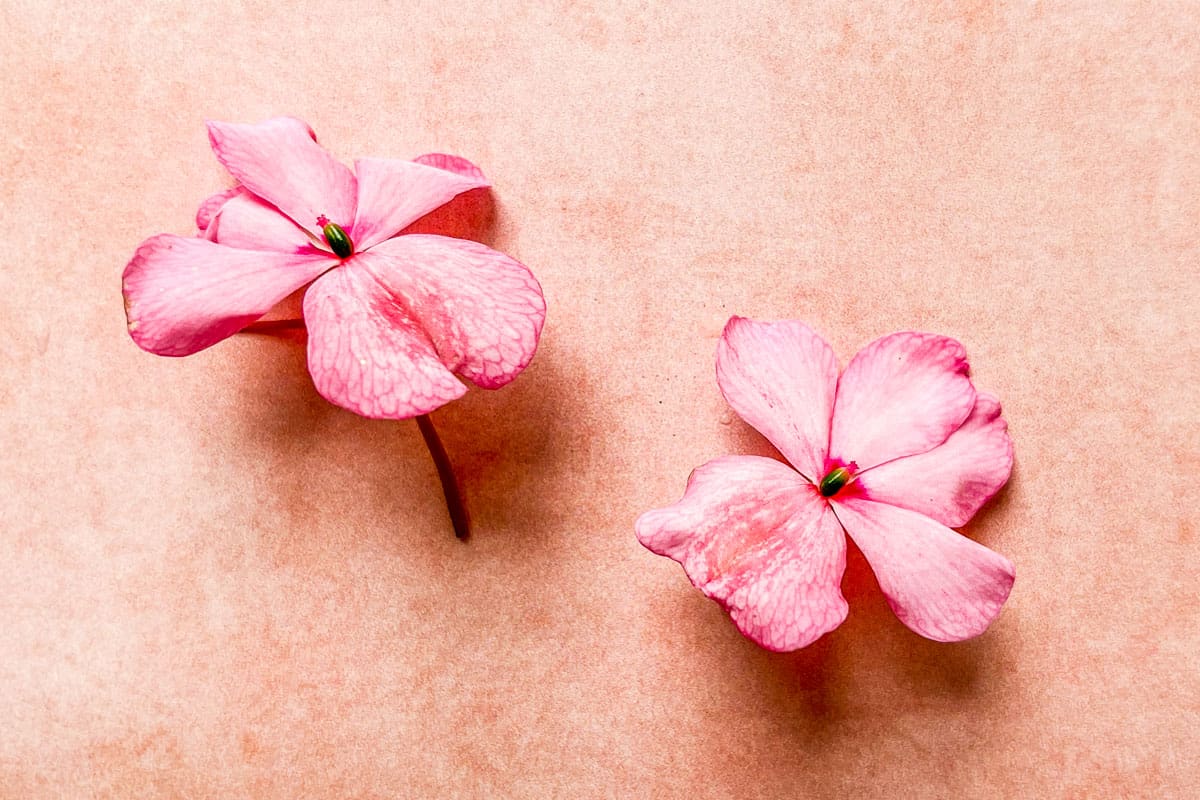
pixel 339 242
pixel 832 483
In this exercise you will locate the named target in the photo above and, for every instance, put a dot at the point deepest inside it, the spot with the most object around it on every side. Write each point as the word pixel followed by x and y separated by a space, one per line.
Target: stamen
pixel 832 483
pixel 335 235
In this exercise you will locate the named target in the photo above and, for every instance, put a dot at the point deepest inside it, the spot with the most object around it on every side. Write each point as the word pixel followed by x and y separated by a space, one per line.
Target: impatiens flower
pixel 895 451
pixel 393 318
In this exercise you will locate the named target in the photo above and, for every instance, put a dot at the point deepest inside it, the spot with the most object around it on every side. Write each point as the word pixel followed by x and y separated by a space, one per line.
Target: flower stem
pixel 273 326
pixel 454 502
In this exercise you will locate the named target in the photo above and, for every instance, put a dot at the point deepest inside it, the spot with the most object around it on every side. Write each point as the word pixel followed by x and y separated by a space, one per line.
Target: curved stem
pixel 274 326
pixel 454 502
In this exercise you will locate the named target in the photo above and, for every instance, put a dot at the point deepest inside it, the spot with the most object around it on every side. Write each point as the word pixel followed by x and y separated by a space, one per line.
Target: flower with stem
pixel 394 319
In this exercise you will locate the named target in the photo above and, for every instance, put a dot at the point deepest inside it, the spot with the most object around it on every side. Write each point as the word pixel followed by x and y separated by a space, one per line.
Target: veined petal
pixel 183 294
pixel 367 354
pixel 482 310
pixel 940 584
pixel 781 377
pixel 281 162
pixel 902 394
pixel 953 480
pixel 754 536
pixel 393 193
pixel 248 222
pixel 211 205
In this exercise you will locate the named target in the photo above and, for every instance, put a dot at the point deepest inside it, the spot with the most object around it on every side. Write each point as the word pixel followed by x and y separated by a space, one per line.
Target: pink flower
pixel 392 319
pixel 894 452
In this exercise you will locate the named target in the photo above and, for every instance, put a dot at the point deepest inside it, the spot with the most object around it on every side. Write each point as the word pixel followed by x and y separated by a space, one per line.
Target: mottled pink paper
pixel 215 584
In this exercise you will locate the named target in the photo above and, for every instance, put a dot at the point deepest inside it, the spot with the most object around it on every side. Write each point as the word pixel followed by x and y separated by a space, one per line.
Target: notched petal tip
pixel 903 394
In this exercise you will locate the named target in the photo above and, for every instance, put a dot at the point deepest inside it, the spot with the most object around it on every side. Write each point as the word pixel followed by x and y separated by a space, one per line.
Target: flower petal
pixel 367 354
pixel 953 480
pixel 211 205
pixel 453 164
pixel 780 377
pixel 250 223
pixel 902 394
pixel 482 310
pixel 940 584
pixel 393 193
pixel 183 294
pixel 752 535
pixel 281 162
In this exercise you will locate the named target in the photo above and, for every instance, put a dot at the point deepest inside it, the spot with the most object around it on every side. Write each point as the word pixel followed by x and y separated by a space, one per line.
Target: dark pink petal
pixel 250 223
pixel 482 310
pixel 940 584
pixel 392 194
pixel 279 161
pixel 209 208
pixel 754 536
pixel 953 480
pixel 367 354
pixel 780 377
pixel 902 394
pixel 185 294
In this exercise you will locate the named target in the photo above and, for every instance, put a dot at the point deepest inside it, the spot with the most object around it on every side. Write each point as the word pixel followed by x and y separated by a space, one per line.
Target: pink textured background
pixel 213 584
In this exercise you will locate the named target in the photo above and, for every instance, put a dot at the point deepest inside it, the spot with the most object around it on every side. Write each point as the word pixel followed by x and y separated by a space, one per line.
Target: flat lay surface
pixel 216 584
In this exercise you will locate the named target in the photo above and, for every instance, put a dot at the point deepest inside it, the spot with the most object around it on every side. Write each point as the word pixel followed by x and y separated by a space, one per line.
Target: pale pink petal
pixel 902 394
pixel 183 294
pixel 953 480
pixel 940 584
pixel 780 377
pixel 367 354
pixel 453 164
pixel 209 208
pixel 482 310
pixel 280 161
pixel 754 536
pixel 250 223
pixel 392 194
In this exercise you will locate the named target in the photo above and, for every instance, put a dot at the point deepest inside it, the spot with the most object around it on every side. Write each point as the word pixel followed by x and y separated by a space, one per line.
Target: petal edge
pixel 780 377
pixel 939 583
pixel 753 536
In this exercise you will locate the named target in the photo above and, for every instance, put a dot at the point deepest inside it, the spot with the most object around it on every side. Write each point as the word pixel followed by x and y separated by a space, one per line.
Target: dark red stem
pixel 273 326
pixel 454 502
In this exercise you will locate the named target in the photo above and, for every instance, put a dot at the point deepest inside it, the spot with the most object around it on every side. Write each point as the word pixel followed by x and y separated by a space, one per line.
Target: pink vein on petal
pixel 902 394
pixel 939 583
pixel 392 194
pixel 367 354
pixel 754 536
pixel 482 310
pixel 951 482
pixel 780 377
pixel 281 162
pixel 183 294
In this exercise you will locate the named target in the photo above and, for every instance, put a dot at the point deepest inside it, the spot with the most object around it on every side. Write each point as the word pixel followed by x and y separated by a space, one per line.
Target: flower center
pixel 335 235
pixel 832 483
